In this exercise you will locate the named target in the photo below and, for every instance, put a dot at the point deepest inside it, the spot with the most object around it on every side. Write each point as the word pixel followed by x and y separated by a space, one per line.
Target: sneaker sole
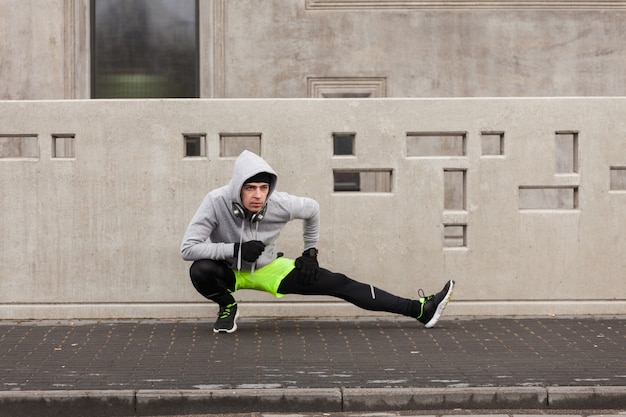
pixel 442 306
pixel 231 330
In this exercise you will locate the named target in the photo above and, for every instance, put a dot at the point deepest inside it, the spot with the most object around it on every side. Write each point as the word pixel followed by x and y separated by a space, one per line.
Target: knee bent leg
pixel 211 277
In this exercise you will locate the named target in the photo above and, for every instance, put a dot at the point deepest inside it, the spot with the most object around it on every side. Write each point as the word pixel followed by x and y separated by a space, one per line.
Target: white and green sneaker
pixel 432 306
pixel 226 319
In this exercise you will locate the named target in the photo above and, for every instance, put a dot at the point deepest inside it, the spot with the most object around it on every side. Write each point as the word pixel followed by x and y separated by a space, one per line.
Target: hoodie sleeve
pixel 311 225
pixel 196 243
pixel 308 210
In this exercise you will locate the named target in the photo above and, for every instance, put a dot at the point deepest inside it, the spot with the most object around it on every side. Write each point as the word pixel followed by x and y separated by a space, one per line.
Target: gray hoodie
pixel 215 228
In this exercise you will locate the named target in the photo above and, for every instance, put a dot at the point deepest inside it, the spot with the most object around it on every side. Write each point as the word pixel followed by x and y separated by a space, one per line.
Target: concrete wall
pixel 278 48
pixel 473 50
pixel 96 234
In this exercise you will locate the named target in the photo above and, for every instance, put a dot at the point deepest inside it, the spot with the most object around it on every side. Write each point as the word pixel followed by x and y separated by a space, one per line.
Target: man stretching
pixel 231 240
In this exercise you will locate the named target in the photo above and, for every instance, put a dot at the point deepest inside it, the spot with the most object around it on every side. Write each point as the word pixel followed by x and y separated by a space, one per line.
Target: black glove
pixel 307 266
pixel 251 250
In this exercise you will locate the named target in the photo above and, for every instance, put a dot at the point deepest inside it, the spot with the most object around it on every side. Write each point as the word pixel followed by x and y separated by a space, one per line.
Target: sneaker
pixel 433 305
pixel 226 319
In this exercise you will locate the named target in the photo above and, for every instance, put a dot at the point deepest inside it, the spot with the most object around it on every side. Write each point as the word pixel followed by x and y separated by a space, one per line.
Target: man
pixel 231 240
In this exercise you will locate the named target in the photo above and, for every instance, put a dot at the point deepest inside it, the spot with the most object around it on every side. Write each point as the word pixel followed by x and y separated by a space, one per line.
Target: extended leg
pixel 427 309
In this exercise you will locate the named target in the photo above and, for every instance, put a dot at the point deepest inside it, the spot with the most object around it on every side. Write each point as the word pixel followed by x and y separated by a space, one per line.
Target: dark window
pixel 347 181
pixel 343 143
pixel 195 144
pixel 144 48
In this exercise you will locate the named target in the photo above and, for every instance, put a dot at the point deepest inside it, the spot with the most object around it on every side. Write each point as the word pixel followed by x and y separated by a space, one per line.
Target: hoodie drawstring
pixel 243 223
pixel 256 233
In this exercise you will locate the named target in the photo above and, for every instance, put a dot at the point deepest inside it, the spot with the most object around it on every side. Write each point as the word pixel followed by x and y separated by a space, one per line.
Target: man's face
pixel 253 195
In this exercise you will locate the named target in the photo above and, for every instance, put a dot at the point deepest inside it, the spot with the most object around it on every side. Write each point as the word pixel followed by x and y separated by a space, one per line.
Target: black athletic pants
pixel 215 281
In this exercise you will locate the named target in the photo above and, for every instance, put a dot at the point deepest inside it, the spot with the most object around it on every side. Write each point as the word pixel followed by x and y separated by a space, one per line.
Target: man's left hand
pixel 307 266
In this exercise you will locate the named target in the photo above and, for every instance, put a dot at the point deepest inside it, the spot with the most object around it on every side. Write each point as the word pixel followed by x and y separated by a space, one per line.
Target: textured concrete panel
pixel 98 235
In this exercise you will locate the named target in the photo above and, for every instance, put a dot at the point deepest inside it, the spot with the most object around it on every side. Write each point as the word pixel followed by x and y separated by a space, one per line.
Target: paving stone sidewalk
pixel 383 356
pixel 272 353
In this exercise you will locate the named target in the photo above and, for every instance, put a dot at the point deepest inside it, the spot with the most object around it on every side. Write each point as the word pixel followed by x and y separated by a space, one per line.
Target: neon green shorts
pixel 266 279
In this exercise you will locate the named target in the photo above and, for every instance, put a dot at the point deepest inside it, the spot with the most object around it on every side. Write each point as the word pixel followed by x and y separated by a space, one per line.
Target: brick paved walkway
pixel 364 353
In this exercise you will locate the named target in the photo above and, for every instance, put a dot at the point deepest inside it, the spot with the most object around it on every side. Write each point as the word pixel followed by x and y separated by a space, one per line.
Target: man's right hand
pixel 251 250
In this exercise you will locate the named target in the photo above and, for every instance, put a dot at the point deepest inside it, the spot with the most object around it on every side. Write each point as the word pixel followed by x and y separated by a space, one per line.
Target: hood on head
pixel 247 165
